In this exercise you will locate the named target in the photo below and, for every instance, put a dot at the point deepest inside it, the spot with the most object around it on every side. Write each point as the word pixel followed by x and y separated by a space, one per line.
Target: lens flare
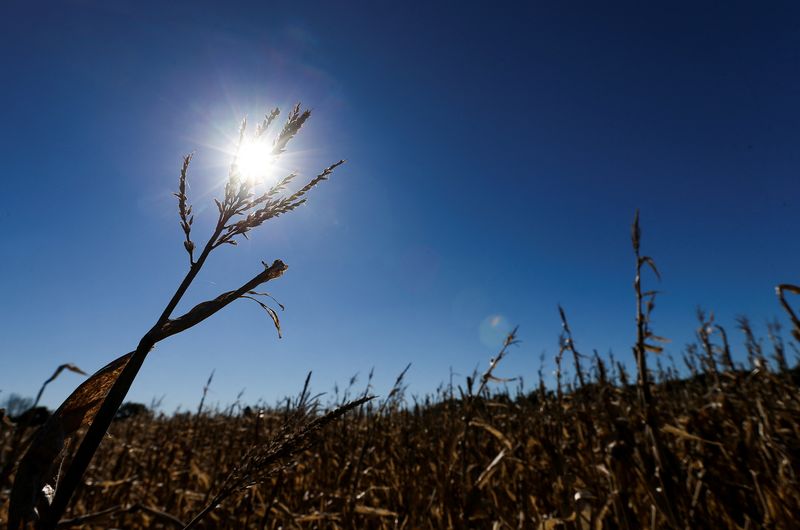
pixel 493 330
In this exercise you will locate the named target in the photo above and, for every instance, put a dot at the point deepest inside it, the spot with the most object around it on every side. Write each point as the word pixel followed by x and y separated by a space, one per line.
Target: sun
pixel 255 160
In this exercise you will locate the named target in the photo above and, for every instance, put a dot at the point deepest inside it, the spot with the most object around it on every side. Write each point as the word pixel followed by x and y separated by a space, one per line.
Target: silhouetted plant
pixel 95 402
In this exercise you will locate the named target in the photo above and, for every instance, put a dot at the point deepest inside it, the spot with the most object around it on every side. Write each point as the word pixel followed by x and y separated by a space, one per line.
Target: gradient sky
pixel 496 154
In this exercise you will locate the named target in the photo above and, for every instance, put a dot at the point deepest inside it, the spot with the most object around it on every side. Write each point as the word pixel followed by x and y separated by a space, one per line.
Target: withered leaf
pixel 653 348
pixel 72 368
pixel 37 465
pixel 271 312
pixel 647 260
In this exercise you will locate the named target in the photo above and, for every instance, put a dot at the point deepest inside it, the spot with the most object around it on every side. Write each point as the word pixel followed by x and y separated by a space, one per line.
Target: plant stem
pixel 116 395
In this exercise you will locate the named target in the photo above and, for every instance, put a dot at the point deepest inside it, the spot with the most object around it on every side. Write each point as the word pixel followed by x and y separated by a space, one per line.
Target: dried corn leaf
pixel 378 512
pixel 490 469
pixel 494 432
pixel 319 516
pixel 37 466
pixel 200 476
pixel 67 366
pixel 669 429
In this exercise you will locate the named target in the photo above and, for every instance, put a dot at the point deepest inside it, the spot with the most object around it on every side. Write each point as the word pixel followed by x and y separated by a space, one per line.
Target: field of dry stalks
pixel 716 446
pixel 717 450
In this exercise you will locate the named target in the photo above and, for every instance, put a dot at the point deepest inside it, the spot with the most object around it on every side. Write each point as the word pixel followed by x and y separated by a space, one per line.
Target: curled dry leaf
pixel 494 432
pixel 67 366
pixel 794 289
pixel 37 466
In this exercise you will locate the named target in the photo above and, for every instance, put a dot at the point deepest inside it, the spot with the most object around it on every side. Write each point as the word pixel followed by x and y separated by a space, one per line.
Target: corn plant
pixel 93 404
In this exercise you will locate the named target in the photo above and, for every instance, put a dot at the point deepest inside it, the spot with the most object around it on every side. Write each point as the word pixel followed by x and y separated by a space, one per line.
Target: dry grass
pixel 521 461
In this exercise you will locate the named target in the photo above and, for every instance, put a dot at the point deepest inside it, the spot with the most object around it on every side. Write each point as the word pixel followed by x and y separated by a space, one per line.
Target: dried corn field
pixel 724 454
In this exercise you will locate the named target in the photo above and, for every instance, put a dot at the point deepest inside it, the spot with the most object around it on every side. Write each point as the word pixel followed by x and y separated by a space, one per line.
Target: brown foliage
pixel 528 461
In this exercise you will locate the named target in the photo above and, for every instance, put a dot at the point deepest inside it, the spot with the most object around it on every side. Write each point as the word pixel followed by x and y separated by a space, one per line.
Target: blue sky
pixel 496 154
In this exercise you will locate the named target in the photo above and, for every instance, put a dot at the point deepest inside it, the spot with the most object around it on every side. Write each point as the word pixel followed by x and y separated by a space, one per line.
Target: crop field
pixel 717 450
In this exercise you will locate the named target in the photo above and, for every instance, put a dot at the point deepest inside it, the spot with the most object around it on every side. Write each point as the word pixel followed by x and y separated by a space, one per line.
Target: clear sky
pixel 496 154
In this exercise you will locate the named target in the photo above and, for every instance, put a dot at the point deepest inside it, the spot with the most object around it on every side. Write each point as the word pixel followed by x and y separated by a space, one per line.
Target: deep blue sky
pixel 496 154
